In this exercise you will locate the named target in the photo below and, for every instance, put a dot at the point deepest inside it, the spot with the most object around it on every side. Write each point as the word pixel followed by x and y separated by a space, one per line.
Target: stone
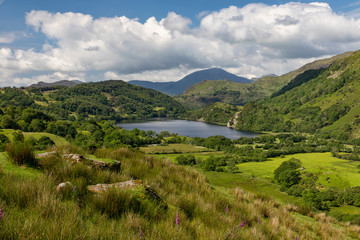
pixel 45 154
pixel 63 186
pixel 77 158
pixel 100 188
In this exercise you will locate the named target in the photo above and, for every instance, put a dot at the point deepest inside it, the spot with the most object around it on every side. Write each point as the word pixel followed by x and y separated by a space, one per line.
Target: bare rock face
pixel 77 158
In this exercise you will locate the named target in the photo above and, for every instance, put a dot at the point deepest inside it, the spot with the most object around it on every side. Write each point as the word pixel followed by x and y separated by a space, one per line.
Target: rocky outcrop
pixel 45 154
pixel 100 188
pixel 232 122
pixel 131 184
pixel 77 158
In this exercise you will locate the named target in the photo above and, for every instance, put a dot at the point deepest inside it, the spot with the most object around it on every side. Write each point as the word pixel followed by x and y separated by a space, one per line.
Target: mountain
pixel 207 92
pixel 66 83
pixel 325 101
pixel 114 100
pixel 175 88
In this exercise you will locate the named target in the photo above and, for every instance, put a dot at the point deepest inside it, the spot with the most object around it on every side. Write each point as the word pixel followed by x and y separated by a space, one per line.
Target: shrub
pixel 45 141
pixel 18 136
pixel 186 160
pixel 20 154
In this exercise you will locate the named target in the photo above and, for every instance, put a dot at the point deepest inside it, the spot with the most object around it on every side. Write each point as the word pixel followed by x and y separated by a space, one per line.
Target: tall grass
pixel 20 154
pixel 33 209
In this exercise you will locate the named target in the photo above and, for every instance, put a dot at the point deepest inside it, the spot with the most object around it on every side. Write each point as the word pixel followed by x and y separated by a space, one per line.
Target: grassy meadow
pixel 59 141
pixel 174 148
pixel 37 211
pixel 340 173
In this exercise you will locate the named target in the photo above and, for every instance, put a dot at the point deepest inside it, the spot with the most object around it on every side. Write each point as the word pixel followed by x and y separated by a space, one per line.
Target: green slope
pixel 208 92
pixel 327 102
pixel 113 100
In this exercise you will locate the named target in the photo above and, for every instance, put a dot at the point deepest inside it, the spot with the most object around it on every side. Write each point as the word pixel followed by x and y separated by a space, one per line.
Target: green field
pixel 202 155
pixel 332 172
pixel 59 141
pixel 12 169
pixel 174 148
pixel 224 181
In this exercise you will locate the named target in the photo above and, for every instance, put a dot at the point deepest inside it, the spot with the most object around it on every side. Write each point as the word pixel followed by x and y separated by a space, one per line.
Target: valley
pixel 297 174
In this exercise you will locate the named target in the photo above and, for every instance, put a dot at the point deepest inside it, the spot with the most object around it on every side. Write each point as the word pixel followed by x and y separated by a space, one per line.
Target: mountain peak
pixel 175 88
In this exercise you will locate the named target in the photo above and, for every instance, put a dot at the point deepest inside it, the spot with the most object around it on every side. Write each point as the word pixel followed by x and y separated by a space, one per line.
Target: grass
pixel 34 210
pixel 341 172
pixel 346 209
pixel 59 141
pixel 202 155
pixel 93 157
pixel 225 181
pixel 20 171
pixel 174 148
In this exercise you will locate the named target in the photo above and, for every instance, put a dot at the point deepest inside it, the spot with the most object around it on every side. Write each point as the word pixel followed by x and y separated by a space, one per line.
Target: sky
pixel 163 40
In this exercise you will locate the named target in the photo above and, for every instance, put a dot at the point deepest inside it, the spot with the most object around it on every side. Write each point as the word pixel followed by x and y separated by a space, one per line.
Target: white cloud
pixel 256 39
pixel 52 77
pixel 10 37
pixel 2 1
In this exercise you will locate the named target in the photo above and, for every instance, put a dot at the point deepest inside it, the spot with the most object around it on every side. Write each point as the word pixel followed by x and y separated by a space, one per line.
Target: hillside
pixel 165 202
pixel 113 100
pixel 175 88
pixel 326 100
pixel 207 92
pixel 65 83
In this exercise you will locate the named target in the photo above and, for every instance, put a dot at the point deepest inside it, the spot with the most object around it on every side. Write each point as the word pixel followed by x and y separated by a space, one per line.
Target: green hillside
pixel 208 92
pixel 328 102
pixel 114 100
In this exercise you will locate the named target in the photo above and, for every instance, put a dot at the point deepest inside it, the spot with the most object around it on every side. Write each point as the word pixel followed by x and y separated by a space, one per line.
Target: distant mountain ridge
pixel 66 83
pixel 176 88
pixel 208 92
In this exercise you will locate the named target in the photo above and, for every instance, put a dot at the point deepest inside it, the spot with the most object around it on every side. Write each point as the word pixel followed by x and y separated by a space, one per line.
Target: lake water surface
pixel 185 128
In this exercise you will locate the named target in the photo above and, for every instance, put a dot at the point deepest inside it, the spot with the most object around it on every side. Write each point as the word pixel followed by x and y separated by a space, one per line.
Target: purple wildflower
pixel 243 224
pixel 177 218
pixel 140 234
pixel 227 209
pixel 169 163
pixel 1 213
pixel 259 221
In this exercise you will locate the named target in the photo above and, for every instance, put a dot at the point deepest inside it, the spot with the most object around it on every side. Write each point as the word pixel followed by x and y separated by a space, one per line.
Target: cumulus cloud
pixel 256 39
pixel 51 77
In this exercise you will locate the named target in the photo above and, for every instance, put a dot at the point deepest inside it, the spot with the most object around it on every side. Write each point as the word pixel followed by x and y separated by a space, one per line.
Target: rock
pixel 137 186
pixel 77 158
pixel 74 158
pixel 63 186
pixel 100 188
pixel 45 154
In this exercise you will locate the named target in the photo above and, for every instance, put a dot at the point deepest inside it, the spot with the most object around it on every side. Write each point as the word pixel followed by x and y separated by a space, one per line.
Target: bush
pixel 18 136
pixel 186 160
pixel 20 154
pixel 287 173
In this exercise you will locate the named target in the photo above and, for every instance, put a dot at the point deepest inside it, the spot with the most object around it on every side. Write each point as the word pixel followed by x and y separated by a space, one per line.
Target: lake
pixel 185 128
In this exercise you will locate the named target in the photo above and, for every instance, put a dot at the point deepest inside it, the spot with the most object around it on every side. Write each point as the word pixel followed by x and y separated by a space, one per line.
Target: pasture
pixel 331 171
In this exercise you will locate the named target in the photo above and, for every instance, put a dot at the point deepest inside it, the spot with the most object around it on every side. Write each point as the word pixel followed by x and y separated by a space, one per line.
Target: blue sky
pixel 163 40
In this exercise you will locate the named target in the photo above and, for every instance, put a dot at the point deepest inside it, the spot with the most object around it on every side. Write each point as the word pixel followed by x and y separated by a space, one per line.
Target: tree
pixel 287 174
pixel 231 167
pixel 18 136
